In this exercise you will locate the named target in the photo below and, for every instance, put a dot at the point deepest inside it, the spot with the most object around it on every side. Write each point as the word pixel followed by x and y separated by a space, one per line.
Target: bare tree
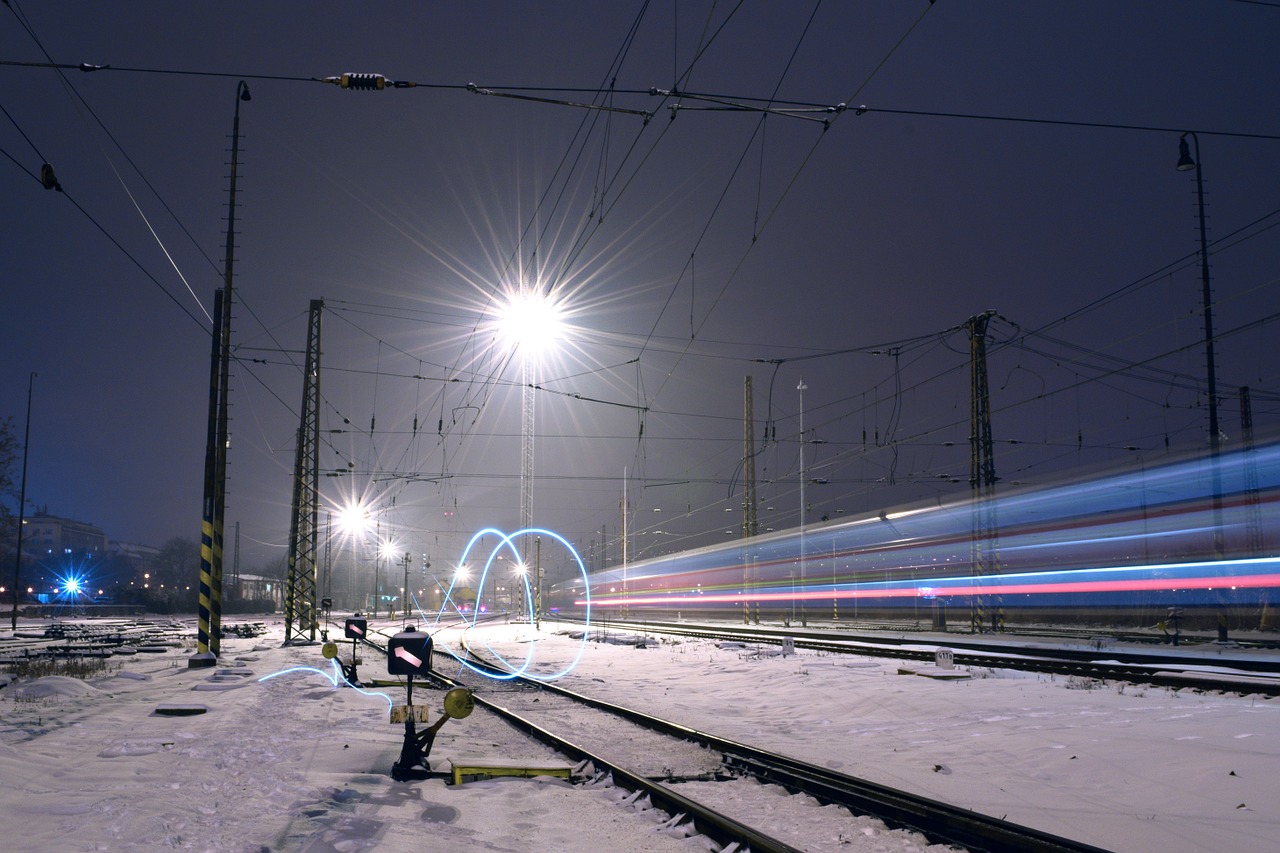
pixel 179 562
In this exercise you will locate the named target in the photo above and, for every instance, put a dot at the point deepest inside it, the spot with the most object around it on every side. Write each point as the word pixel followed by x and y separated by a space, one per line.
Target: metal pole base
pixel 349 673
pixel 414 752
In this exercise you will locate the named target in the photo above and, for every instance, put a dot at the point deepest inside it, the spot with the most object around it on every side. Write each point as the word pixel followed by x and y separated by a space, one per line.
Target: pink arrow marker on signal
pixel 409 657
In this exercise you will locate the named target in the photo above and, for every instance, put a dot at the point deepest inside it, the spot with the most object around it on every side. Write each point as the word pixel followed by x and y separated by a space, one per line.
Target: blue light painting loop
pixel 507 542
pixel 333 679
pixel 470 615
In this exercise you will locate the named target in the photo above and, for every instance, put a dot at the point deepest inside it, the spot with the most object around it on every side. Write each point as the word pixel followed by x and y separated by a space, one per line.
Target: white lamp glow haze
pixel 531 322
pixel 352 519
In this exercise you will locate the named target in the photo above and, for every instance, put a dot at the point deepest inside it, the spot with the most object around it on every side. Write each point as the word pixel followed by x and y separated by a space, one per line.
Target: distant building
pixel 143 558
pixel 257 587
pixel 45 535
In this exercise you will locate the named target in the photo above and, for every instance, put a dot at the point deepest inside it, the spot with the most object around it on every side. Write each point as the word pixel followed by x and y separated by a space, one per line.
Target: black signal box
pixel 355 629
pixel 409 653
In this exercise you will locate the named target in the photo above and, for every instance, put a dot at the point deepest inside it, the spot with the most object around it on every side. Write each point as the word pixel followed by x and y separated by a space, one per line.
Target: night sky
pixel 1014 157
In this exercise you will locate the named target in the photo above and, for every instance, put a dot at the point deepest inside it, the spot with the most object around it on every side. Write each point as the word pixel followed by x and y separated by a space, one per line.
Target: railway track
pixel 511 699
pixel 105 638
pixel 661 760
pixel 679 784
pixel 1195 671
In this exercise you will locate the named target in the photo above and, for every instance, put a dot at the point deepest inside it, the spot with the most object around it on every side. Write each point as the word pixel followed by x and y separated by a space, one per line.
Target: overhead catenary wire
pixel 83 107
pixel 835 109
pixel 805 160
pixel 480 377
pixel 740 102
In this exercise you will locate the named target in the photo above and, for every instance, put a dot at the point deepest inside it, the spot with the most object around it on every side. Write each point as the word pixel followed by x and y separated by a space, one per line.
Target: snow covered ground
pixel 291 763
pixel 1121 767
pixel 286 764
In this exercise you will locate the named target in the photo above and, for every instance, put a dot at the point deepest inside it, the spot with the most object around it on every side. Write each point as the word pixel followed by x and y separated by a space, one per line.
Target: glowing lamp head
pixel 72 586
pixel 352 519
pixel 531 322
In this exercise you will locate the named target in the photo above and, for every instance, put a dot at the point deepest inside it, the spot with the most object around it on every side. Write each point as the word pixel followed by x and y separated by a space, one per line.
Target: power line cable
pixel 82 105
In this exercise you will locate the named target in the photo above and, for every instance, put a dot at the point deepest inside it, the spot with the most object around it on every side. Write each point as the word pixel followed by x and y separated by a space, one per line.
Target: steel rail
pixel 1162 670
pixel 721 828
pixel 938 821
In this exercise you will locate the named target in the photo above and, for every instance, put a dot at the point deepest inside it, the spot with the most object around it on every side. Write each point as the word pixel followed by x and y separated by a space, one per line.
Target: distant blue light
pixel 72 583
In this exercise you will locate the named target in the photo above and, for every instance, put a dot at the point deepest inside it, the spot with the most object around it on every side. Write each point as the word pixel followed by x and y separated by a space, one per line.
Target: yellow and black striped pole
pixel 205 656
pixel 215 471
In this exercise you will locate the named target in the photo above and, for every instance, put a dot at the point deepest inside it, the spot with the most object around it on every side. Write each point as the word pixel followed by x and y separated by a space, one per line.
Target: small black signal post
pixel 354 629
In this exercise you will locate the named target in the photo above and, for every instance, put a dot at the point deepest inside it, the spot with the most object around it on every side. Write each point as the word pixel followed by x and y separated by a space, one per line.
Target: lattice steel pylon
pixel 301 616
pixel 982 478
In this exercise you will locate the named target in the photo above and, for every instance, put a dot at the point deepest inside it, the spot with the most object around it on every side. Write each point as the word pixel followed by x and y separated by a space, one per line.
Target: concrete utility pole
pixel 404 595
pixel 802 388
pixel 22 506
pixel 750 525
pixel 537 579
pixel 1255 545
pixel 206 651
pixel 622 611
pixel 1186 163
pixel 208 639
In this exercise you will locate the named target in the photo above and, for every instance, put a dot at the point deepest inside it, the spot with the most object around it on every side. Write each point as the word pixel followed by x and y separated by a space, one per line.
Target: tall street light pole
pixel 1186 163
pixel 530 321
pixel 22 505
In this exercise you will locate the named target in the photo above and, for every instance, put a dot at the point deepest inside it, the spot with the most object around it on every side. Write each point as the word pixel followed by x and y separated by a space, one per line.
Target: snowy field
pixel 291 763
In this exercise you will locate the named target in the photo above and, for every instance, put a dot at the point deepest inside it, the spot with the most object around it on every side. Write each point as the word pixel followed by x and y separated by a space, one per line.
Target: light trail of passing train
pixel 1124 547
